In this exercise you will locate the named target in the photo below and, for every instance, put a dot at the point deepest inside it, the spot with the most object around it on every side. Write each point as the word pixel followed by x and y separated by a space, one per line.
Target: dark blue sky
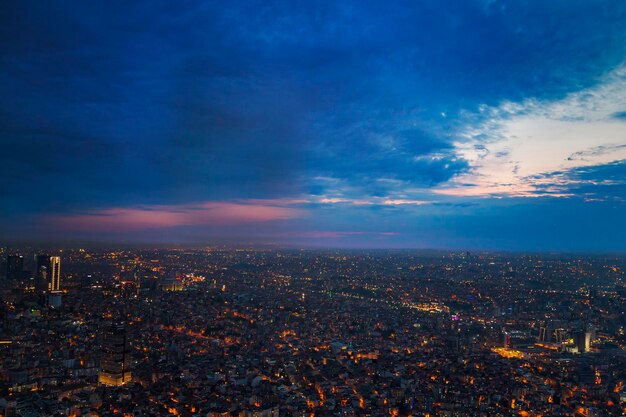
pixel 461 124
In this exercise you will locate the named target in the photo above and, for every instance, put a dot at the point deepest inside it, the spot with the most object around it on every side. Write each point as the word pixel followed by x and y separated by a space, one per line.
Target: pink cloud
pixel 162 216
pixel 333 234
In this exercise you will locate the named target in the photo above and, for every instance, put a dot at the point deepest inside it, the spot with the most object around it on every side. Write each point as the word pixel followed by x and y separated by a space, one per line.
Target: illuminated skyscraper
pixel 54 282
pixel 115 360
pixel 48 276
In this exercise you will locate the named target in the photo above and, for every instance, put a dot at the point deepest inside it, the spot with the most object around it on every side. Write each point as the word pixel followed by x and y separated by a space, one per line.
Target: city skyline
pixel 223 332
pixel 478 125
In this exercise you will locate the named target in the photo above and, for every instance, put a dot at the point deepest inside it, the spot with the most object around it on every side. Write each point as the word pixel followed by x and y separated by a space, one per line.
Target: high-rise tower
pixel 48 275
pixel 582 339
pixel 41 273
pixel 115 360
pixel 54 282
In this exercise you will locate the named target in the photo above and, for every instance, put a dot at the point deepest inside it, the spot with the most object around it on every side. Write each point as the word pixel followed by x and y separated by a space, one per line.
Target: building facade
pixel 115 359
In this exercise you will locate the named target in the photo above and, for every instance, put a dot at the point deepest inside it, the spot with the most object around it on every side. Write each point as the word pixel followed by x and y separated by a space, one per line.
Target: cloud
pixel 168 216
pixel 513 148
pixel 346 110
pixel 333 234
pixel 373 201
pixel 620 115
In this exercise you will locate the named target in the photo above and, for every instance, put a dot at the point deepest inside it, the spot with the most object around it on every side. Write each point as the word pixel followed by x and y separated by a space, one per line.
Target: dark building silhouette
pixel 582 339
pixel 42 269
pixel 15 267
pixel 115 360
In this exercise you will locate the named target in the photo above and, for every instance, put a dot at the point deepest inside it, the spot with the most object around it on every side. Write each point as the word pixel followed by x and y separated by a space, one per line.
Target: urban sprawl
pixel 225 332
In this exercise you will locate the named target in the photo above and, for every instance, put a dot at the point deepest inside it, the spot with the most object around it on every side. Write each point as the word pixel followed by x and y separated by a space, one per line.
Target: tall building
pixel 115 360
pixel 15 267
pixel 582 339
pixel 48 275
pixel 41 272
pixel 54 283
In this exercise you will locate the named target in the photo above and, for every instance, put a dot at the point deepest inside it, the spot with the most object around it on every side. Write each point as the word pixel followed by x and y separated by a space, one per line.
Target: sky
pixel 461 124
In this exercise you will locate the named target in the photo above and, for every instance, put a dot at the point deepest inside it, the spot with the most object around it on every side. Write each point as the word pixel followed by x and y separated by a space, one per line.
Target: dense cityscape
pixel 328 208
pixel 217 331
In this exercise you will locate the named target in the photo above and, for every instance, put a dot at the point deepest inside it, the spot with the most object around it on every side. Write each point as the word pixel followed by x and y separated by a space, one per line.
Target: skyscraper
pixel 41 273
pixel 48 275
pixel 582 339
pixel 15 267
pixel 115 360
pixel 54 283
